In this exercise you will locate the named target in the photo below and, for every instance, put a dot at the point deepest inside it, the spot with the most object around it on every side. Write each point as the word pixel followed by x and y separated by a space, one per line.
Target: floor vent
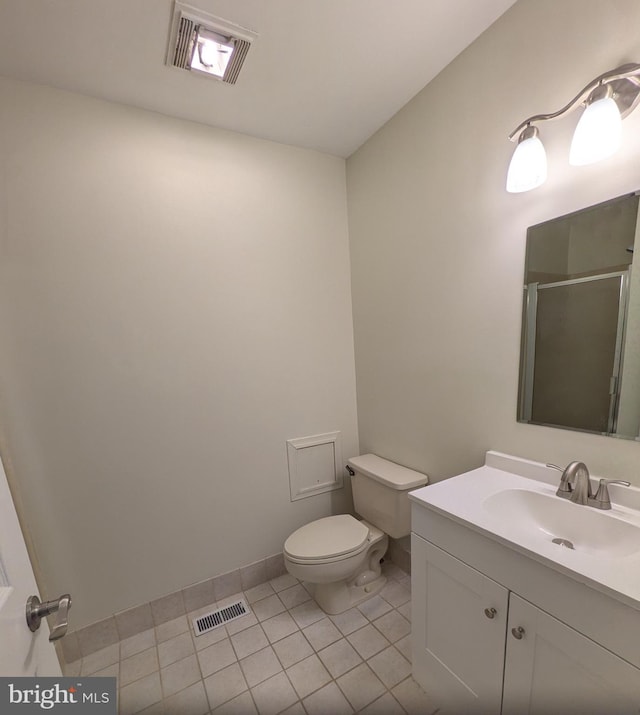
pixel 215 619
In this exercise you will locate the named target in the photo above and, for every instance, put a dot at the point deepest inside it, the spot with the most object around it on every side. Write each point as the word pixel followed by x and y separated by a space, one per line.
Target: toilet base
pixel 335 598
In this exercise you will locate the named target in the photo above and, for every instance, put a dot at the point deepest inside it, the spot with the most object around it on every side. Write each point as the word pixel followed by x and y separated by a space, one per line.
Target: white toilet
pixel 340 555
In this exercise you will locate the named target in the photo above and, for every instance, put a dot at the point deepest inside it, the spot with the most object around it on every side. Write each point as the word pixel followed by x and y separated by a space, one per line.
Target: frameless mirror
pixel 580 347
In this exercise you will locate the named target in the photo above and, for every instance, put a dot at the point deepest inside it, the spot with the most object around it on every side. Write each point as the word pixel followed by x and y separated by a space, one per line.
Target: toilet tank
pixel 380 492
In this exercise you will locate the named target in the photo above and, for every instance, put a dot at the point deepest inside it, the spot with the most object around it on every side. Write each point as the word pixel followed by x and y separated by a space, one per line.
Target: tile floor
pixel 287 656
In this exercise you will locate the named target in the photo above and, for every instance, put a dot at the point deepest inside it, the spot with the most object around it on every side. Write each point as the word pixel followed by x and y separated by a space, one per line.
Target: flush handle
pixel 36 611
pixel 518 633
pixel 490 612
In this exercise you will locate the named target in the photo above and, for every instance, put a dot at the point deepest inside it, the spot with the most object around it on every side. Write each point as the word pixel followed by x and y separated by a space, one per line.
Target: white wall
pixel 437 245
pixel 175 304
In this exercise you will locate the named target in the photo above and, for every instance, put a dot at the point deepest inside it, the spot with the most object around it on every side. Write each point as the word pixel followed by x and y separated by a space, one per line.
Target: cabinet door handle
pixel 518 632
pixel 490 612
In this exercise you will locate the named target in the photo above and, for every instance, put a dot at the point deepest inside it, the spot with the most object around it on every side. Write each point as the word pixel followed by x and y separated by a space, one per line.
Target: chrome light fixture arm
pixel 625 85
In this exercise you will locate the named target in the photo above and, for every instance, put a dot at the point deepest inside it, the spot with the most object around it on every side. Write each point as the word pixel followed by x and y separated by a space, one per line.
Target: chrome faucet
pixel 575 485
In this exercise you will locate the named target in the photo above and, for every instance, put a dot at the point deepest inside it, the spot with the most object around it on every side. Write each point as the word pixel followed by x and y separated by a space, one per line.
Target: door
pixel 551 668
pixel 459 622
pixel 22 653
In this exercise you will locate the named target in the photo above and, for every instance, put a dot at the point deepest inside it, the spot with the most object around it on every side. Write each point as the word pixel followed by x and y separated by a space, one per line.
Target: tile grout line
pixel 369 620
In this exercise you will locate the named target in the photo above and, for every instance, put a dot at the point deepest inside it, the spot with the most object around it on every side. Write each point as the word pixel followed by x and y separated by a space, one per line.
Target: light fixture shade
pixel 597 134
pixel 528 167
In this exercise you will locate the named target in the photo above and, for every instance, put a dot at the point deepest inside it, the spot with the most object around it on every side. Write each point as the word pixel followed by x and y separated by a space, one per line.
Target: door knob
pixel 36 611
pixel 518 632
pixel 490 612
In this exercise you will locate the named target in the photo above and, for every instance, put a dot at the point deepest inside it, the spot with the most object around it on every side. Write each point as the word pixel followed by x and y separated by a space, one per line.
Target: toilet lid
pixel 327 538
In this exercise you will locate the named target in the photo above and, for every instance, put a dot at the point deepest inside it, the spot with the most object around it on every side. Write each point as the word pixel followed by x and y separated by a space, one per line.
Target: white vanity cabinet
pixel 480 648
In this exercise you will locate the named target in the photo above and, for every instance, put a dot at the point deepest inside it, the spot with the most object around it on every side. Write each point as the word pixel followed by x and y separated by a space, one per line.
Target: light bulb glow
pixel 597 134
pixel 213 53
pixel 528 167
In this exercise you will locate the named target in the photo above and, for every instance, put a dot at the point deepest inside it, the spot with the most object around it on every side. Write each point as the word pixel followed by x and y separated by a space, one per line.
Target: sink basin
pixel 555 520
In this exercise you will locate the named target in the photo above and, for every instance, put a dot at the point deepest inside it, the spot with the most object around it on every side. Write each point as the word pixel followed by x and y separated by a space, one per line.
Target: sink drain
pixel 563 542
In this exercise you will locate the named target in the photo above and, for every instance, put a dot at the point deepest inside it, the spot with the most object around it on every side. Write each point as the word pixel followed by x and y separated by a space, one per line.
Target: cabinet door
pixel 552 668
pixel 458 641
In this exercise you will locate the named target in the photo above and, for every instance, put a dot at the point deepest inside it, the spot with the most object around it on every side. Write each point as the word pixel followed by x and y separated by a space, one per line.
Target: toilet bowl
pixel 339 556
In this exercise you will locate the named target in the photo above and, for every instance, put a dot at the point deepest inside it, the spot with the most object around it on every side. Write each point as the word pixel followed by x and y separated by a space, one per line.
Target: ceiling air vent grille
pixel 215 619
pixel 184 43
pixel 207 45
pixel 237 60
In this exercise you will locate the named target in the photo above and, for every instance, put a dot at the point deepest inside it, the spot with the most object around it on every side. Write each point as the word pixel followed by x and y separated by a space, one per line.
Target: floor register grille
pixel 215 619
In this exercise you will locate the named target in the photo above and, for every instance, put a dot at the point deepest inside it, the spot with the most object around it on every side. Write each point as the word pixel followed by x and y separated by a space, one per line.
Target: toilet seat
pixel 332 538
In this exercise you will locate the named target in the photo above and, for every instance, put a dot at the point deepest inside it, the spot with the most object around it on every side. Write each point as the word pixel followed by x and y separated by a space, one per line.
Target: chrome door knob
pixel 36 611
pixel 518 633
pixel 490 612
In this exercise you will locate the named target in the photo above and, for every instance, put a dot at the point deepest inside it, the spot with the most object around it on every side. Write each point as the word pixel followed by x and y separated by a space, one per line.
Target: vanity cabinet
pixel 478 647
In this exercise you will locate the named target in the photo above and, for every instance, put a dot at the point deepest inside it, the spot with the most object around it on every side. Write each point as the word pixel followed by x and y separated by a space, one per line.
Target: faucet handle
pixel 564 489
pixel 601 500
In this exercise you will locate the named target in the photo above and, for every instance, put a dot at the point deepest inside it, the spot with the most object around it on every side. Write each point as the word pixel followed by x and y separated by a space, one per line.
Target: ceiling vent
pixel 205 44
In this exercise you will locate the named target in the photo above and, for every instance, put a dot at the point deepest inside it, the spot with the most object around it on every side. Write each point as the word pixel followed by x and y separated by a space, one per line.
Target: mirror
pixel 580 347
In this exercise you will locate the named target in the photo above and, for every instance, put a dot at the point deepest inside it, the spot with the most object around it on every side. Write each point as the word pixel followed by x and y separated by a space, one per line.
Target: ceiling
pixel 323 74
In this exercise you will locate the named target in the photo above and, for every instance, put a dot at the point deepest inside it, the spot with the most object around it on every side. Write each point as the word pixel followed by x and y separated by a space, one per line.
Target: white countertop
pixel 612 569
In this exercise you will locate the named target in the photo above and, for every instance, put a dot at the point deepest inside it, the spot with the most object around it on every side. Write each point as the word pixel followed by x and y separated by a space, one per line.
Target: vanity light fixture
pixel 607 100
pixel 207 44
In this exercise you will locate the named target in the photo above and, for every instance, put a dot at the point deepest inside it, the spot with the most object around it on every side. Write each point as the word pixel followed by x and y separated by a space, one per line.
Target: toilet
pixel 339 556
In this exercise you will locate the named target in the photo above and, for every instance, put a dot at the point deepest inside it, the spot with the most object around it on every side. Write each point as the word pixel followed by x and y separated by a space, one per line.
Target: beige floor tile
pixel 171 629
pixel 321 634
pixel 279 627
pixel 308 675
pixel 390 666
pixel 395 593
pixel 241 624
pixel 374 608
pixel 216 657
pixel 240 705
pixel 206 639
pixel 111 671
pixel 386 705
pixel 72 670
pixel 404 646
pixel 260 666
pixel 413 698
pixel 361 686
pixel 393 626
pixel 179 675
pixel 156 709
pixel 225 685
pixel 339 658
pixel 295 709
pixel 368 641
pixel 100 659
pixel 349 621
pixel 257 593
pixel 138 665
pixel 292 649
pixel 175 649
pixel 307 613
pixel 405 610
pixel 329 700
pixel 190 701
pixel 138 643
pixel 140 695
pixel 294 596
pixel 281 582
pixel 274 695
pixel 249 641
pixel 268 607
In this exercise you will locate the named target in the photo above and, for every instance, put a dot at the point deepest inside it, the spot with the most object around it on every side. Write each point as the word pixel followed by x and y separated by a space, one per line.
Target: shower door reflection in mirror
pixel 580 363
